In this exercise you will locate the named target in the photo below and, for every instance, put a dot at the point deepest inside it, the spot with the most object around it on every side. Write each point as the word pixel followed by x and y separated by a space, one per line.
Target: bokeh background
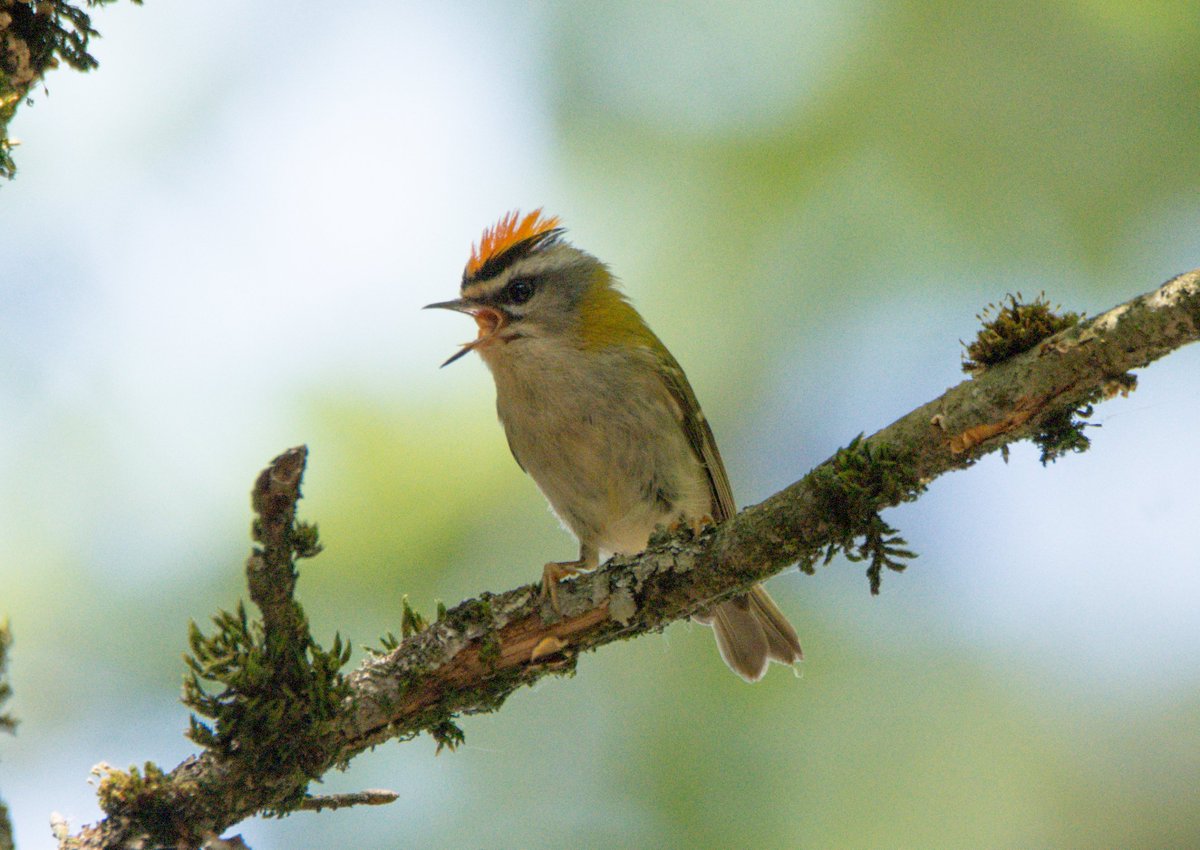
pixel 217 246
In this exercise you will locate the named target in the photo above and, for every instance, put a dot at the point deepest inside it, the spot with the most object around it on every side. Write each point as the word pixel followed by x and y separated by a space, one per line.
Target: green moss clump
pixel 147 800
pixel 850 490
pixel 474 612
pixel 447 734
pixel 1062 432
pixel 271 702
pixel 489 651
pixel 387 643
pixel 35 37
pixel 7 722
pixel 305 540
pixel 1015 328
pixel 411 620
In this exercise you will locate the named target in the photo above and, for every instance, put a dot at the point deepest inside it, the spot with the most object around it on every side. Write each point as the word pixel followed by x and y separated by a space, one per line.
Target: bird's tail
pixel 751 631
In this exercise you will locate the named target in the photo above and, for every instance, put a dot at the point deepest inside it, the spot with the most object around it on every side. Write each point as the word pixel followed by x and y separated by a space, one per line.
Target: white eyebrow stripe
pixel 483 289
pixel 544 260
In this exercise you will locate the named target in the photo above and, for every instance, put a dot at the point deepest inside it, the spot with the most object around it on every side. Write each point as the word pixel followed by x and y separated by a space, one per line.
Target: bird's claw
pixel 553 573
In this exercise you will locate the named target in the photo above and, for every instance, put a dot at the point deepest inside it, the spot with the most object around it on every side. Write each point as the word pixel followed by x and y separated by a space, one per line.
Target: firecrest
pixel 601 416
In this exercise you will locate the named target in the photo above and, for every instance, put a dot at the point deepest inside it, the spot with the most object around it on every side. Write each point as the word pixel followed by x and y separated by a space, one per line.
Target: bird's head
pixel 524 281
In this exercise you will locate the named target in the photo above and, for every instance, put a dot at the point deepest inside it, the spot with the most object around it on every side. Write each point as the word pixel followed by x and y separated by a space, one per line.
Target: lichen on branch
pixel 473 655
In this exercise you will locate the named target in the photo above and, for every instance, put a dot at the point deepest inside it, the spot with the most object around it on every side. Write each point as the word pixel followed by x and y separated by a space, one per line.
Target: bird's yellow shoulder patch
pixel 606 318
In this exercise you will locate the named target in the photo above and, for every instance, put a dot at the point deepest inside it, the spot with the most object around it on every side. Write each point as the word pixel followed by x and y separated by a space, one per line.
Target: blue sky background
pixel 217 246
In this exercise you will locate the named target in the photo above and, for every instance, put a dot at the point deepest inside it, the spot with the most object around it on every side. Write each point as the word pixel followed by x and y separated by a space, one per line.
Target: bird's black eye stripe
pixel 519 290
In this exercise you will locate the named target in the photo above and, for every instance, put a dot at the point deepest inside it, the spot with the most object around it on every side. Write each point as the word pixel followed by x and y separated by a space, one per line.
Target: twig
pixel 270 571
pixel 369 797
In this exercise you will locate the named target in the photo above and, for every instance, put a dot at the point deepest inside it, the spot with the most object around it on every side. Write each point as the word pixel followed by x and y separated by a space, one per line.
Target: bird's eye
pixel 519 290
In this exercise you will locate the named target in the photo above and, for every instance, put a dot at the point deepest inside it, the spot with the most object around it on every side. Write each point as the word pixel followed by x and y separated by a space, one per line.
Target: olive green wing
pixel 699 435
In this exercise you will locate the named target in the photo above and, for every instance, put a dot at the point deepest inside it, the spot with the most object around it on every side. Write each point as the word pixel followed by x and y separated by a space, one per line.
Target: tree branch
pixel 369 797
pixel 479 652
pixel 7 724
pixel 270 571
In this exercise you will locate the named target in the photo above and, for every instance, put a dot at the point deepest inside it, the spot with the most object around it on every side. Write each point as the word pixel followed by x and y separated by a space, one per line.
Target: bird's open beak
pixel 490 321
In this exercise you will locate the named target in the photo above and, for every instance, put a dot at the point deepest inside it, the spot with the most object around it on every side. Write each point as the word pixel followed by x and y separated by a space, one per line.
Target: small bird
pixel 601 416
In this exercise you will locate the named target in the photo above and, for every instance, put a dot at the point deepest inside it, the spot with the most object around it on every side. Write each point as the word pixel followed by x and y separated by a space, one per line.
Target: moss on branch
pixel 477 653
pixel 36 36
pixel 1013 329
pixel 7 724
pixel 849 490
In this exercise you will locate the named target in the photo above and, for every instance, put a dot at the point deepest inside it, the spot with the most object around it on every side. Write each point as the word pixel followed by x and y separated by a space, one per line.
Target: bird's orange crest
pixel 510 230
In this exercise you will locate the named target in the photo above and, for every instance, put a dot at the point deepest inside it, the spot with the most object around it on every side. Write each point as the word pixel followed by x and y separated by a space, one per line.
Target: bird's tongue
pixel 489 322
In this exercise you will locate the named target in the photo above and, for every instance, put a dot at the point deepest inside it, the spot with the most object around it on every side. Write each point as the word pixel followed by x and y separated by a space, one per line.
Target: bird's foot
pixel 556 571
